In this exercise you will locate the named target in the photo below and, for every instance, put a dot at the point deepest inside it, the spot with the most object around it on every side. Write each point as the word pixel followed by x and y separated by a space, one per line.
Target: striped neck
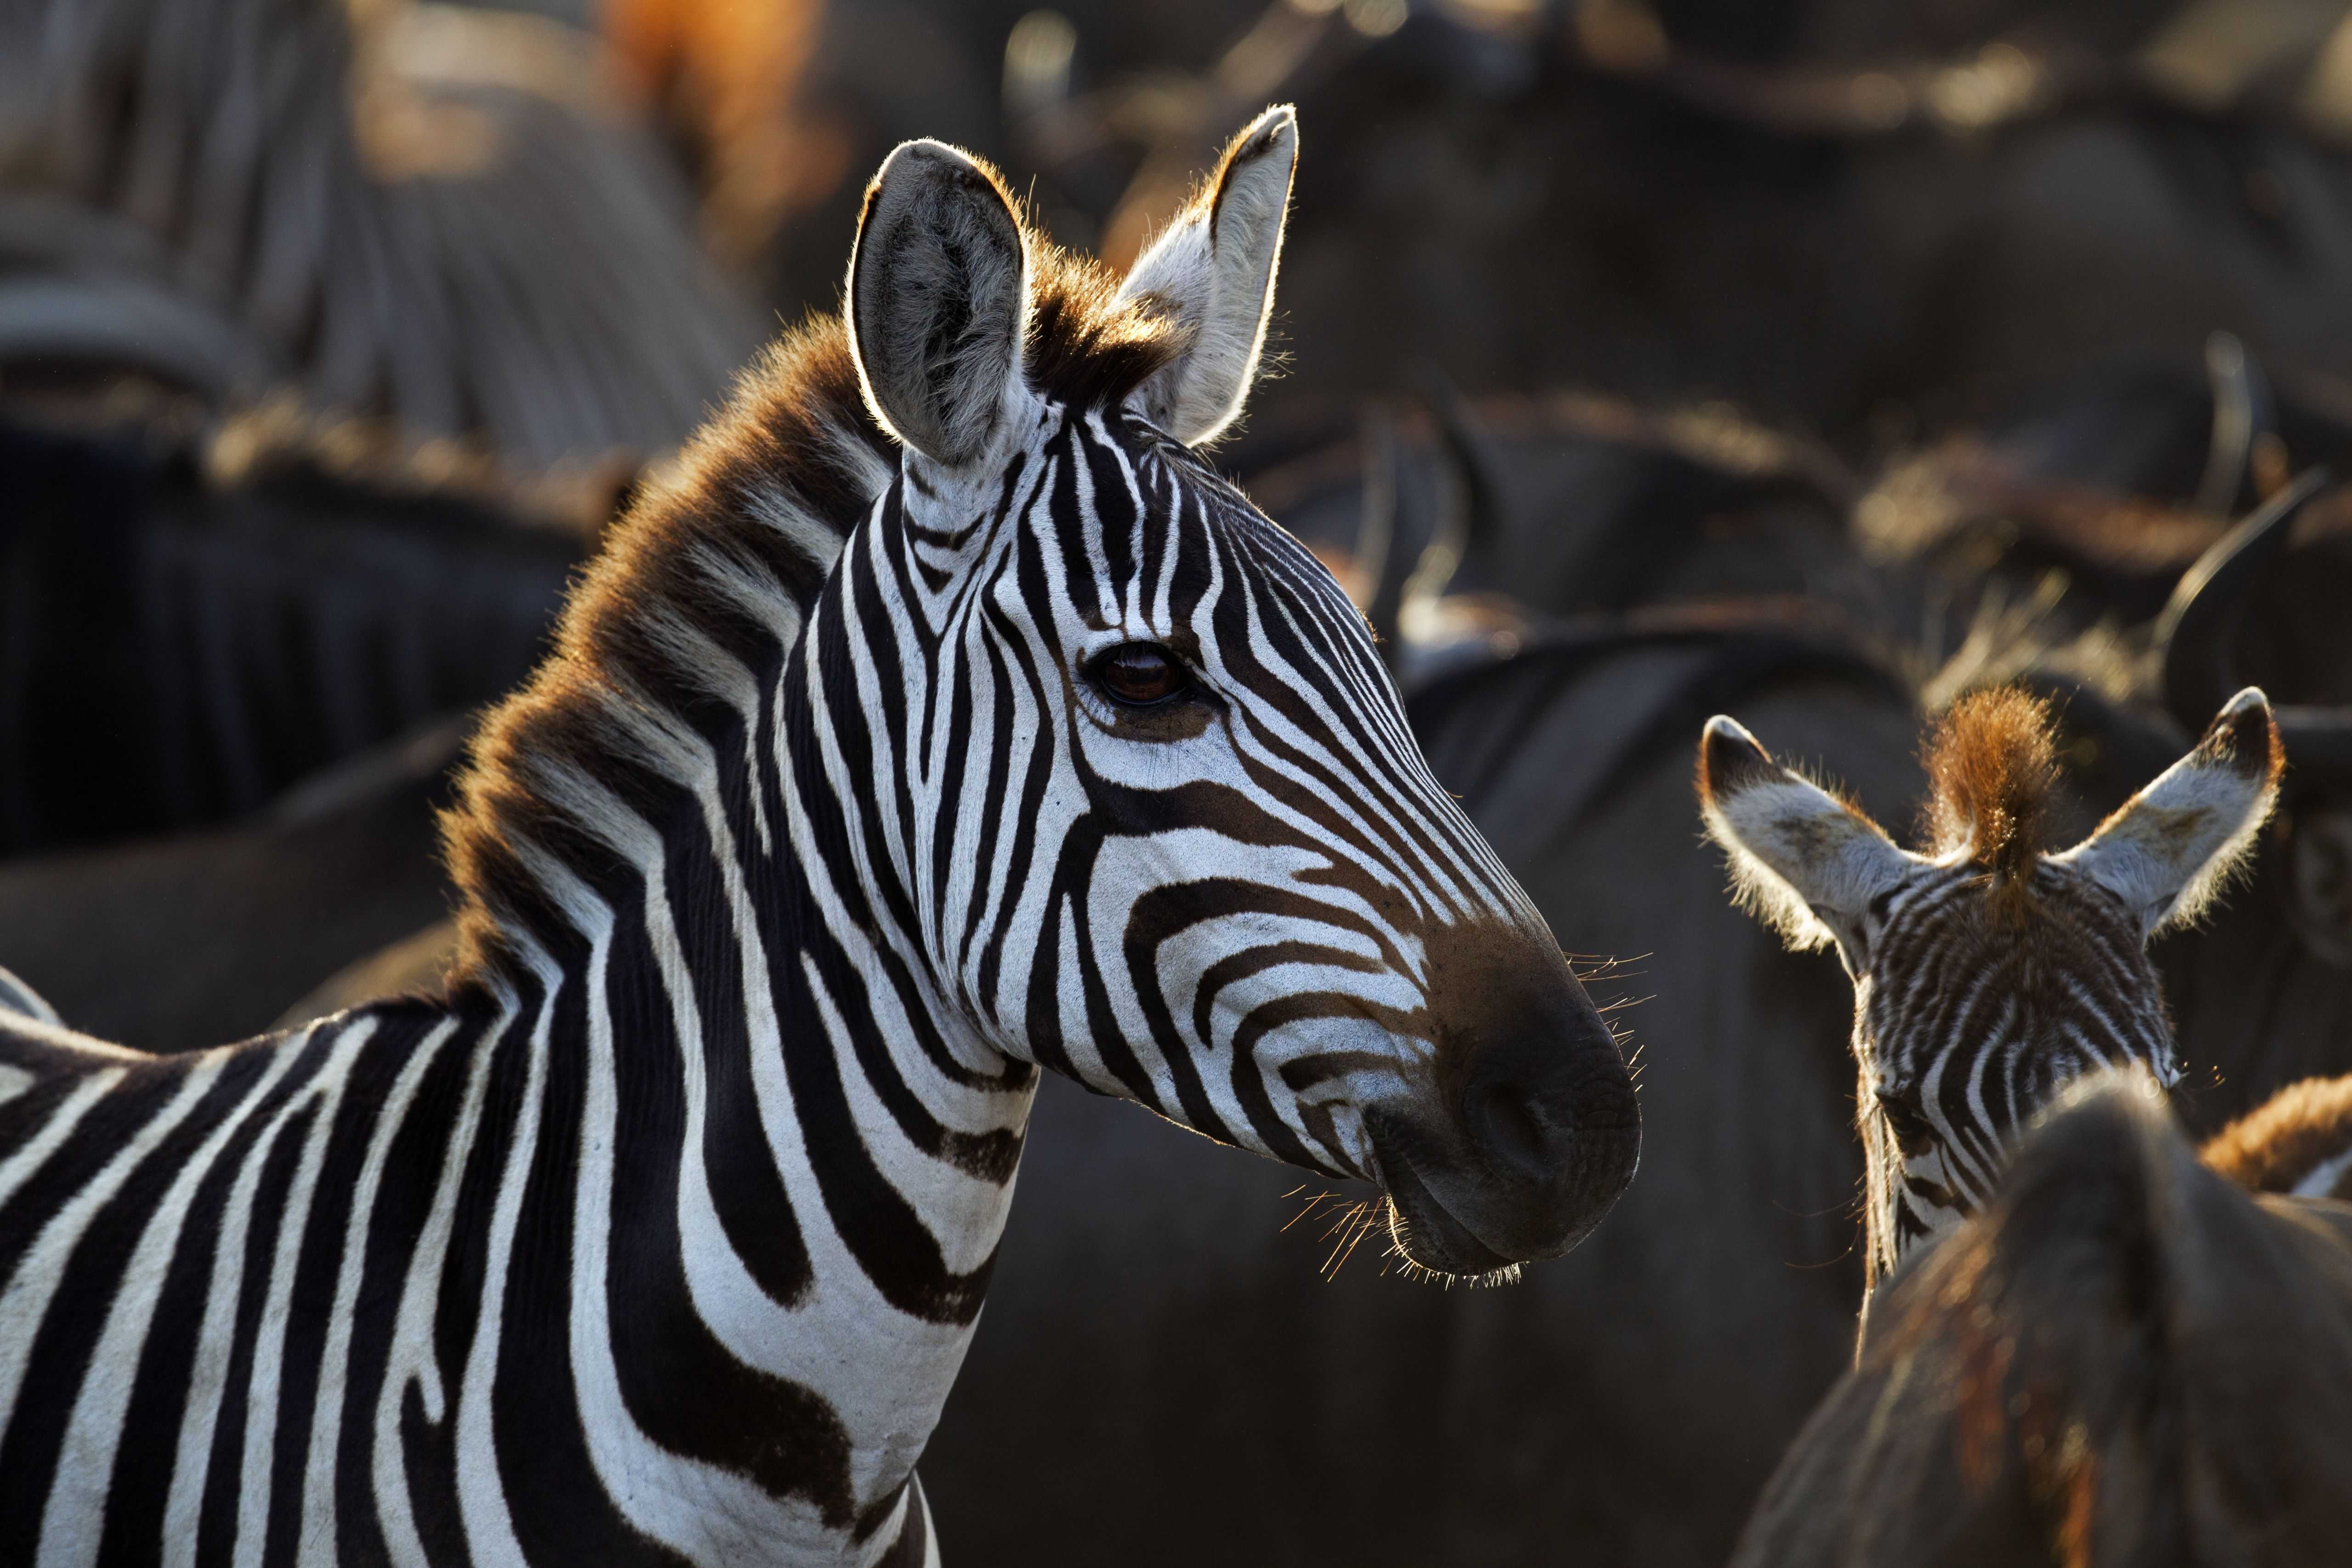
pixel 784 1181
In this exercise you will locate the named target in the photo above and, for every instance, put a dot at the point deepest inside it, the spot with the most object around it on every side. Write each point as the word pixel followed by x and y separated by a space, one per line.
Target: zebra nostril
pixel 1508 1127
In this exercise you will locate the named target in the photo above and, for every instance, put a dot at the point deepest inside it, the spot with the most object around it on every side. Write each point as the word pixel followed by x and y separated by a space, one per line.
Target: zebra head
pixel 1151 809
pixel 1988 974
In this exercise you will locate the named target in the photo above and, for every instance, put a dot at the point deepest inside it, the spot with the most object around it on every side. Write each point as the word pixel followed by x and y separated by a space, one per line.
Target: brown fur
pixel 2275 1145
pixel 1991 764
pixel 2125 1360
pixel 727 76
pixel 789 442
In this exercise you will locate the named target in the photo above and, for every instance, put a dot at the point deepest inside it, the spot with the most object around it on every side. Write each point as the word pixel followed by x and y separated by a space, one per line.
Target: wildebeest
pixel 178 645
pixel 436 215
pixel 2126 1360
pixel 179 942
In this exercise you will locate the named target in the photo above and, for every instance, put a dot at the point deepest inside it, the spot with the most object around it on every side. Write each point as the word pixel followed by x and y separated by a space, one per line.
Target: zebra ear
pixel 1212 271
pixel 939 302
pixel 1808 864
pixel 2171 848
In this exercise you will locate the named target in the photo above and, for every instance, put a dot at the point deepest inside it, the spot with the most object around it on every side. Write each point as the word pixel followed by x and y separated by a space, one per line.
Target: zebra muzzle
pixel 1529 1130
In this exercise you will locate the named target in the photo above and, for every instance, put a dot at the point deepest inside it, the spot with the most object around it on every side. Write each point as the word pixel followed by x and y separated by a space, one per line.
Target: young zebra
pixel 1988 974
pixel 872 771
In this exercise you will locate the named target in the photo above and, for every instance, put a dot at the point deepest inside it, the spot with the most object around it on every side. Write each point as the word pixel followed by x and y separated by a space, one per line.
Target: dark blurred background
pixel 1817 360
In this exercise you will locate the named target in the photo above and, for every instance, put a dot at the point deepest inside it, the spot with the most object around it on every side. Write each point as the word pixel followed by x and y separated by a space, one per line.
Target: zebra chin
pixel 1528 1130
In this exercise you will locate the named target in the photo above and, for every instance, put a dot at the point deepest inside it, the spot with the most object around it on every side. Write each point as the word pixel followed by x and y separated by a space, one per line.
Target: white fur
pixel 1213 271
pixel 16 996
pixel 2173 847
pixel 2320 1181
pixel 1805 862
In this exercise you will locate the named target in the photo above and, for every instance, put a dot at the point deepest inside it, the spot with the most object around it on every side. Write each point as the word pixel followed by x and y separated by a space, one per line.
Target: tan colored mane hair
pixel 1991 764
pixel 2274 1147
pixel 692 584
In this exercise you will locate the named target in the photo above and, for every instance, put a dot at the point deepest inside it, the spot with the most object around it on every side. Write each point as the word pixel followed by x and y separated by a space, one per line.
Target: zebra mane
pixel 2295 1135
pixel 1991 764
pixel 697 591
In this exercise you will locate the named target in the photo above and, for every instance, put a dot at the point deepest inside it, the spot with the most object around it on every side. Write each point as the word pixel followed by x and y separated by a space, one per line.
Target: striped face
pixel 1988 975
pixel 1969 1020
pixel 1170 834
pixel 1156 816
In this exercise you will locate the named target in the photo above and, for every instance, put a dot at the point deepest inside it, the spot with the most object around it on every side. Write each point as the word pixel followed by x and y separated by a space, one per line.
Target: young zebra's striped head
pixel 1148 805
pixel 1988 974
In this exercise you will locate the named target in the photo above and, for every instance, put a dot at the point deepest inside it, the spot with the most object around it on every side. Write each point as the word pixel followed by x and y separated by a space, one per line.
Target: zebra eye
pixel 1139 673
pixel 1909 1124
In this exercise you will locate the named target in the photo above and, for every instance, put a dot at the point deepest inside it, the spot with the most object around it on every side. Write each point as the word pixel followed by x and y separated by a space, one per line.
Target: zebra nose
pixel 1547 1102
pixel 1532 1130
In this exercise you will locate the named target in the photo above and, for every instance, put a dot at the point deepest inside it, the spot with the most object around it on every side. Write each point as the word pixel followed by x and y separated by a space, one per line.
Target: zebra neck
pixel 785 1188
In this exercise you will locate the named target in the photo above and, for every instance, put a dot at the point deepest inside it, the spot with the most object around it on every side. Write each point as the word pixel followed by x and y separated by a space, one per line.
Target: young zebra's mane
pixel 697 593
pixel 2285 1140
pixel 1991 764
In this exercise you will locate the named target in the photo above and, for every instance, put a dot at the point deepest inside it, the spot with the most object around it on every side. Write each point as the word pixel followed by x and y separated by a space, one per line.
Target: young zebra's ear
pixel 2170 848
pixel 939 302
pixel 1805 861
pixel 1212 271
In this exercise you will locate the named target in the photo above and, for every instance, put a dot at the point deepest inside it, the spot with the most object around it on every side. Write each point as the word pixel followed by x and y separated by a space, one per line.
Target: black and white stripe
pixel 1967 1030
pixel 661 1240
pixel 1987 974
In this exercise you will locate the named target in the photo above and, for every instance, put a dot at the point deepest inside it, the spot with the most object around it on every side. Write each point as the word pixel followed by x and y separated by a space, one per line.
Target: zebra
pixel 942 716
pixel 1988 974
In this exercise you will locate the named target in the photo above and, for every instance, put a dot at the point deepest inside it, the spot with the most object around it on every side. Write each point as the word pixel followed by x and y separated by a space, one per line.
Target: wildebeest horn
pixel 2195 629
pixel 1378 559
pixel 127 322
pixel 1468 499
pixel 2243 415
pixel 1478 496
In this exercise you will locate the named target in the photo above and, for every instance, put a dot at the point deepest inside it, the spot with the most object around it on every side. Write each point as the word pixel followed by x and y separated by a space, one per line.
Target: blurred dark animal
pixel 178 647
pixel 1459 521
pixel 725 81
pixel 1870 214
pixel 182 942
pixel 2060 524
pixel 2125 1360
pixel 1989 970
pixel 2299 1141
pixel 429 214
